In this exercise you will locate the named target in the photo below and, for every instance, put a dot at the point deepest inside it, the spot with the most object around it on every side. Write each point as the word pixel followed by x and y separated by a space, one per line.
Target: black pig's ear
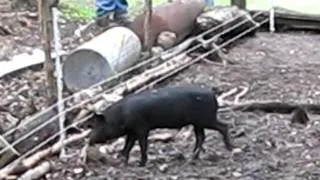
pixel 99 118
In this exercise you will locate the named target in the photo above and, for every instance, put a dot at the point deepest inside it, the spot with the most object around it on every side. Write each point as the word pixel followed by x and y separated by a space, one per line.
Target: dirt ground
pixel 20 32
pixel 273 66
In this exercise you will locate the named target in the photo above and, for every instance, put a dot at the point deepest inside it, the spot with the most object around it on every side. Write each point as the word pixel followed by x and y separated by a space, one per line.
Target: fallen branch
pixel 206 60
pixel 226 94
pixel 179 48
pixel 241 94
pixel 36 172
pixel 271 106
pixel 17 167
pixel 27 14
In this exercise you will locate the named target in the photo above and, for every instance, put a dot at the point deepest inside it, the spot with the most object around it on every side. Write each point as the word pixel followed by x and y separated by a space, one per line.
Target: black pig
pixel 174 107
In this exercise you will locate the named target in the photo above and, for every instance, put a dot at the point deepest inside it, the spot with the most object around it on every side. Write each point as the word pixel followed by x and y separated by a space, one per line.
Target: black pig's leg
pixel 143 142
pixel 197 141
pixel 128 146
pixel 223 129
pixel 199 132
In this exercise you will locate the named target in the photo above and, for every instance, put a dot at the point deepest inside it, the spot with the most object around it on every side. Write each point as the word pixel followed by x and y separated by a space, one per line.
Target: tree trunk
pixel 46 36
pixel 147 22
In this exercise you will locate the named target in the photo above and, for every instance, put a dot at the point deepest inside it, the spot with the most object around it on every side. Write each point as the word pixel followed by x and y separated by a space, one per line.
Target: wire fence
pixel 155 81
pixel 137 66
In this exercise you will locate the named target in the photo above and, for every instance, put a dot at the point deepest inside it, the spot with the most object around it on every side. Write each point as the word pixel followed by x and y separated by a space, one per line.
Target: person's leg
pixel 121 11
pixel 104 9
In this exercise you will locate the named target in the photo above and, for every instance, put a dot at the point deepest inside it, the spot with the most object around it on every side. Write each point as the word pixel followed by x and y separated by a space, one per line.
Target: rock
pixel 78 170
pixel 90 173
pixel 103 149
pixel 93 154
pixel 309 165
pixel 163 168
pixel 236 174
pixel 174 177
pixel 308 157
pixel 236 151
pixel 163 137
pixel 112 171
pixel 166 39
pixel 185 134
pixel 156 50
pixel 48 176
pixel 114 146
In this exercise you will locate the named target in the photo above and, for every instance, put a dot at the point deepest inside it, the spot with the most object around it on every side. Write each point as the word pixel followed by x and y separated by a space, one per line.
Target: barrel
pixel 111 52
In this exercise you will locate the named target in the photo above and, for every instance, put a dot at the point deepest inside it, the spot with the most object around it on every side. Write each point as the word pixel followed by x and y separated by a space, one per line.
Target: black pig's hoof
pixel 195 157
pixel 230 147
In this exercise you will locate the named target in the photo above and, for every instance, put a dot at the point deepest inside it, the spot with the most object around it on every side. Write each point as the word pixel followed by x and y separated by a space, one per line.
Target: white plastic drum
pixel 111 52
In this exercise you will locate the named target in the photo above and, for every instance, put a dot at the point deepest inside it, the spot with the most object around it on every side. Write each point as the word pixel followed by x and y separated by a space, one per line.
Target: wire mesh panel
pixel 310 6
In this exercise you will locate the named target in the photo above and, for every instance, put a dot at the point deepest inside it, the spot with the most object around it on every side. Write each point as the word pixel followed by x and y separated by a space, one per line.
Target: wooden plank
pixel 288 19
pixel 22 61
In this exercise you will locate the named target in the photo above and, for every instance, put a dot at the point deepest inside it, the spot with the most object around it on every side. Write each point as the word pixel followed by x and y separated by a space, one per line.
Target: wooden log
pixel 23 144
pixel 36 172
pixel 222 23
pixel 230 17
pixel 270 106
pixel 19 167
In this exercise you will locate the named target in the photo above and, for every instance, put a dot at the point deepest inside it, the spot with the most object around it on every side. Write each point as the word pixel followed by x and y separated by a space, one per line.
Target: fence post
pixel 146 26
pixel 271 17
pixel 46 35
pixel 240 3
pixel 57 48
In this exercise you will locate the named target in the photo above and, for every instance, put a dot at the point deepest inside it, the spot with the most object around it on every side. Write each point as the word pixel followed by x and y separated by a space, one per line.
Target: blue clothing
pixel 106 6
pixel 209 2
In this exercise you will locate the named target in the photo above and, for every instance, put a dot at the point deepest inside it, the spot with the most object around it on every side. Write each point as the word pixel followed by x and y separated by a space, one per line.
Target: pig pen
pixel 274 67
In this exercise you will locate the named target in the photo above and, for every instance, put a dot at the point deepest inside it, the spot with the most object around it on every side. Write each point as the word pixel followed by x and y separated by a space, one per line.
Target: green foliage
pixel 136 6
pixel 81 10
pixel 84 10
